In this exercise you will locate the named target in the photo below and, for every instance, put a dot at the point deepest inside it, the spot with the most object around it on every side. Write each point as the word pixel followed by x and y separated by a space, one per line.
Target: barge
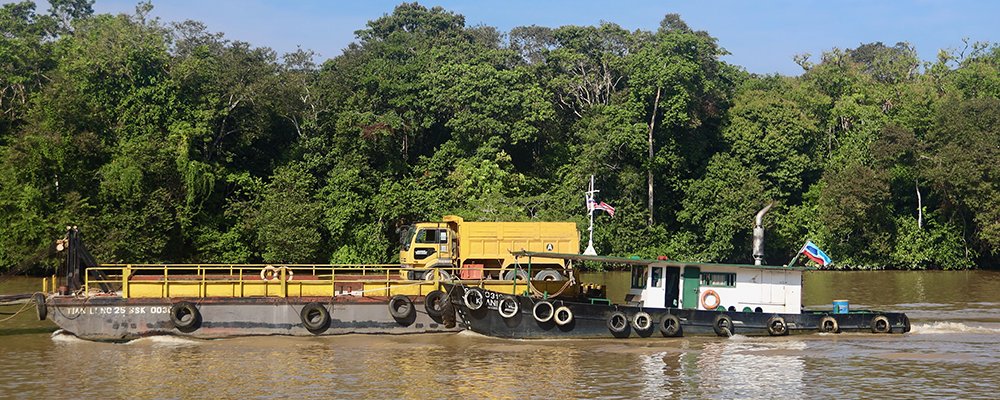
pixel 666 298
pixel 121 302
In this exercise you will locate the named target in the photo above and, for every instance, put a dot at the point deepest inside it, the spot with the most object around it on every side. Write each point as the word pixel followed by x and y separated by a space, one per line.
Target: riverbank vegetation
pixel 167 142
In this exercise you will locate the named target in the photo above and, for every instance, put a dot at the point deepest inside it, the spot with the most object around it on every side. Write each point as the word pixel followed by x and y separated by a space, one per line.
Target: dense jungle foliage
pixel 166 142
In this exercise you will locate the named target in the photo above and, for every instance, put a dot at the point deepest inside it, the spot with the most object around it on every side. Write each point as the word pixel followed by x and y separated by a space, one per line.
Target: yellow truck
pixel 481 250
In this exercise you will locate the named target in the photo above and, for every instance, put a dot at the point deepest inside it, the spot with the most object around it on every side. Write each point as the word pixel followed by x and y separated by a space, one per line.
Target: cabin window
pixel 638 277
pixel 432 236
pixel 655 276
pixel 718 279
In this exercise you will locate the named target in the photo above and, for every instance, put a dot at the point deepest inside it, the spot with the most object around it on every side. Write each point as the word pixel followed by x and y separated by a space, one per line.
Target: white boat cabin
pixel 702 286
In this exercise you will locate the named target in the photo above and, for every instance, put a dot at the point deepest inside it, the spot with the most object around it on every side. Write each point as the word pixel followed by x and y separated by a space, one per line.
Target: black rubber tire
pixel 470 295
pixel 828 324
pixel 41 310
pixel 618 324
pixel 642 321
pixel 549 275
pixel 315 318
pixel 880 324
pixel 563 310
pixel 504 313
pixel 185 316
pixel 434 303
pixel 776 326
pixel 670 325
pixel 401 307
pixel 547 307
pixel 723 326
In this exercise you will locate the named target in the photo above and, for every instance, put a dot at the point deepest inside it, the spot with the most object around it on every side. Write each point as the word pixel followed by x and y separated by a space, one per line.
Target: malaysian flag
pixel 593 205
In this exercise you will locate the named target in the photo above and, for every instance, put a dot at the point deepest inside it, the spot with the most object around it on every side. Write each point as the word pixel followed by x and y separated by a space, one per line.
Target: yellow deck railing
pixel 281 280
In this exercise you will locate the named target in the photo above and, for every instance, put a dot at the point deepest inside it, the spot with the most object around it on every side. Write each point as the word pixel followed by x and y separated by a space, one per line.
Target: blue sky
pixel 762 36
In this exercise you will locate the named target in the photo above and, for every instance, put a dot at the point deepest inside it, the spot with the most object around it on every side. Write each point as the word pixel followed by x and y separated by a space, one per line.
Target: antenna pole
pixel 590 210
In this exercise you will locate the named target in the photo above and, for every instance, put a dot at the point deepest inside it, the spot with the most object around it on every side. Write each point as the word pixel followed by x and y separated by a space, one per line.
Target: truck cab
pixel 427 245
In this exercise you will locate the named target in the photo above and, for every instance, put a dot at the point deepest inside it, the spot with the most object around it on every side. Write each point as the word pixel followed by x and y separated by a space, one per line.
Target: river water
pixel 953 351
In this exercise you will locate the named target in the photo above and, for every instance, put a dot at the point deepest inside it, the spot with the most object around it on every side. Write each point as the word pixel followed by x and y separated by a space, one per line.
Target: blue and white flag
pixel 814 253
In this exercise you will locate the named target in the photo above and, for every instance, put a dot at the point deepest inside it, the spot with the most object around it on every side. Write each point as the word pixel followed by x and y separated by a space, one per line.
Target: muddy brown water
pixel 953 351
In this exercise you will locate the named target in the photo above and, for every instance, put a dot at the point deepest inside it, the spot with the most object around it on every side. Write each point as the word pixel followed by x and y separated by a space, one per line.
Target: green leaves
pixel 174 143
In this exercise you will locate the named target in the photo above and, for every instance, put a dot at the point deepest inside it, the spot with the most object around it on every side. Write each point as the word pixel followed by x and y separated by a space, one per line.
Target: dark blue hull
pixel 594 320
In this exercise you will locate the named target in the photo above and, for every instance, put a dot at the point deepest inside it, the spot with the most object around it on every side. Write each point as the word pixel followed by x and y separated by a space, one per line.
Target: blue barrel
pixel 840 307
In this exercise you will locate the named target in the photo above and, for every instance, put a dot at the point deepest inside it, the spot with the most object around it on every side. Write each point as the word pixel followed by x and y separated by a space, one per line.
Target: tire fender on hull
pixel 829 324
pixel 618 324
pixel 185 317
pixel 315 318
pixel 723 325
pixel 543 311
pixel 434 303
pixel 776 326
pixel 880 324
pixel 670 325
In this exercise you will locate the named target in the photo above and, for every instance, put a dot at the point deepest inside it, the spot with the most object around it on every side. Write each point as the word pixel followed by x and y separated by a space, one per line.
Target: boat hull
pixel 118 319
pixel 591 320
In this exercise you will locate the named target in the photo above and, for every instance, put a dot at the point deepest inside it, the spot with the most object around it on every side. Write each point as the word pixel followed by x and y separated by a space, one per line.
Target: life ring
pixel 641 321
pixel 670 325
pixel 41 310
pixel 185 316
pixel 289 274
pixel 434 303
pixel 315 318
pixel 776 326
pixel 618 324
pixel 563 316
pixel 829 324
pixel 508 306
pixel 715 304
pixel 547 309
pixel 473 298
pixel 880 324
pixel 267 273
pixel 401 308
pixel 723 326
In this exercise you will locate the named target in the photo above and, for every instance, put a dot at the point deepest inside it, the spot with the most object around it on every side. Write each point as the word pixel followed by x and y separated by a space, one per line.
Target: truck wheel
pixel 509 275
pixel 549 275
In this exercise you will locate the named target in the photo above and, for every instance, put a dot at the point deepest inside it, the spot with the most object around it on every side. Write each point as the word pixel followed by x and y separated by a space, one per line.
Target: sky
pixel 762 36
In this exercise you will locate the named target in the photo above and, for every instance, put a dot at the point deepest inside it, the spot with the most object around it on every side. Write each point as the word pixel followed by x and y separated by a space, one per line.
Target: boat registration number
pixel 118 310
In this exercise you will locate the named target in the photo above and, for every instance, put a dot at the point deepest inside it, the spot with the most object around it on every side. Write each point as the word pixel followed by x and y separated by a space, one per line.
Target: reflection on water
pixel 950 352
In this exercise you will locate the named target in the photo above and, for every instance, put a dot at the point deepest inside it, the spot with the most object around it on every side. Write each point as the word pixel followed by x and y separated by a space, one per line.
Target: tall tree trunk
pixel 649 173
pixel 920 206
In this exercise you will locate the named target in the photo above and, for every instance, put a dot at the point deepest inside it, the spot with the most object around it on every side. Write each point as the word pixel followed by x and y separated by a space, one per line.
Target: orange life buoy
pixel 714 305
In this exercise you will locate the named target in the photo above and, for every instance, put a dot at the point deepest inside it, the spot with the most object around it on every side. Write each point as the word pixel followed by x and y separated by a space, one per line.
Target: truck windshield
pixel 406 237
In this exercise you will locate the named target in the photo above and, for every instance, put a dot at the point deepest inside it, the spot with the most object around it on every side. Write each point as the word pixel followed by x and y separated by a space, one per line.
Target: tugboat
pixel 669 298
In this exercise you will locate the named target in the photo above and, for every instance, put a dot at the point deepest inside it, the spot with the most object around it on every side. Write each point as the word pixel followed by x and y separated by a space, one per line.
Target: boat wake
pixel 951 327
pixel 163 341
pixel 61 336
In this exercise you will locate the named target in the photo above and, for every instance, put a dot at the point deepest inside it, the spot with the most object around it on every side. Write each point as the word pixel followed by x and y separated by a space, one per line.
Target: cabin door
pixel 692 285
pixel 654 294
pixel 672 278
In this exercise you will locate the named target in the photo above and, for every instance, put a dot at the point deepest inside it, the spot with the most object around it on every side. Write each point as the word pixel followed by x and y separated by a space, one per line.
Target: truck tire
pixel 510 273
pixel 549 275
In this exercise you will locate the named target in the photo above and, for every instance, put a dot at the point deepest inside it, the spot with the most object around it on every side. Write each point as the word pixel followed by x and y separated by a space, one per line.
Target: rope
pixel 537 293
pixel 23 307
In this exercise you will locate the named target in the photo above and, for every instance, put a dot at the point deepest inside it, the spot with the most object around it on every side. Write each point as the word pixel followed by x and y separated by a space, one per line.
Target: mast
pixel 590 210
